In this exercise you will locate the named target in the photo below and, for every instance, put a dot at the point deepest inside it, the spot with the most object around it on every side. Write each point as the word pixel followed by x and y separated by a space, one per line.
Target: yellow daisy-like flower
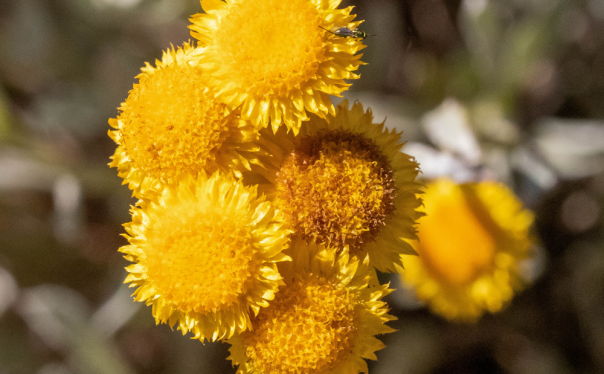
pixel 205 253
pixel 323 320
pixel 344 182
pixel 171 126
pixel 470 243
pixel 273 58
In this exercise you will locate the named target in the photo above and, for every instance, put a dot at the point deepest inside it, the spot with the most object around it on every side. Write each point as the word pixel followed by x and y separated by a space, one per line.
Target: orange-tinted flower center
pixel 454 245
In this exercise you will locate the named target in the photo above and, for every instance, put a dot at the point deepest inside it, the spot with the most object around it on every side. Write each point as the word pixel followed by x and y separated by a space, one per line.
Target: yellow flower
pixel 171 126
pixel 344 182
pixel 323 320
pixel 272 56
pixel 205 253
pixel 470 243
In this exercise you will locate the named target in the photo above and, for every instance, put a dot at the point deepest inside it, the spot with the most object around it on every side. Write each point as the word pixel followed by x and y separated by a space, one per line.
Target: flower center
pixel 309 328
pixel 204 262
pixel 454 245
pixel 270 46
pixel 172 125
pixel 337 188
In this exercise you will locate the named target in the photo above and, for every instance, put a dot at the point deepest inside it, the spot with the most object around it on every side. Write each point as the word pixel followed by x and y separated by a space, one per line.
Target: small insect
pixel 345 32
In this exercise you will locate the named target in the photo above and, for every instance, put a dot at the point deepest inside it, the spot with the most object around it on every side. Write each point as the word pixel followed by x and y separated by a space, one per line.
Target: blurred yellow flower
pixel 323 320
pixel 170 126
pixel 273 58
pixel 344 182
pixel 470 243
pixel 205 253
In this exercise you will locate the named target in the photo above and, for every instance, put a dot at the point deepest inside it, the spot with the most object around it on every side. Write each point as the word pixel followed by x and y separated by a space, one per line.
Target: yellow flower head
pixel 344 182
pixel 323 320
pixel 470 242
pixel 273 57
pixel 171 126
pixel 205 253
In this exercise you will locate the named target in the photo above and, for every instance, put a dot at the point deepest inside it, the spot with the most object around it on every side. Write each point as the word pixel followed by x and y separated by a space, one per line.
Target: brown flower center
pixel 338 188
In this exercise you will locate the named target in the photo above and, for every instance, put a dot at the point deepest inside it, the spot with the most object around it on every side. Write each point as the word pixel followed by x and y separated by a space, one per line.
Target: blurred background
pixel 516 86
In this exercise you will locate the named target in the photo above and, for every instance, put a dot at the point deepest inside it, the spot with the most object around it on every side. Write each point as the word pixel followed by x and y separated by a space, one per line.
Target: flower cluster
pixel 264 211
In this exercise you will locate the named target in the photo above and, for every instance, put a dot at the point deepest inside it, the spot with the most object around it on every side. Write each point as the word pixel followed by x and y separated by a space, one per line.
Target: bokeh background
pixel 517 86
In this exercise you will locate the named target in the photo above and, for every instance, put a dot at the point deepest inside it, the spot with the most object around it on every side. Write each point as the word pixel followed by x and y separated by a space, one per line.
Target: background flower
pixel 471 242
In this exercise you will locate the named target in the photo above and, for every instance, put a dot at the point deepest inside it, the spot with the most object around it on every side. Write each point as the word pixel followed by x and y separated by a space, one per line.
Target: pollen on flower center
pixel 271 46
pixel 338 188
pixel 308 328
pixel 200 267
pixel 170 123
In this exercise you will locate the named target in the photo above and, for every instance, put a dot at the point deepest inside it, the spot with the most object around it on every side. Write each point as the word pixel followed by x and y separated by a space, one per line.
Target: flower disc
pixel 337 187
pixel 171 126
pixel 471 240
pixel 344 182
pixel 323 320
pixel 273 57
pixel 205 253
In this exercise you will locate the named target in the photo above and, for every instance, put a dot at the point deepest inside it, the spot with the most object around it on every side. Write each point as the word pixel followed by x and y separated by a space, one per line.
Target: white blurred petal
pixel 123 4
pixel 51 311
pixel 475 7
pixel 115 312
pixel 434 164
pixel 60 317
pixel 448 126
pixel 532 268
pixel 20 170
pixel 67 200
pixel 574 148
pixel 534 169
pixel 8 290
